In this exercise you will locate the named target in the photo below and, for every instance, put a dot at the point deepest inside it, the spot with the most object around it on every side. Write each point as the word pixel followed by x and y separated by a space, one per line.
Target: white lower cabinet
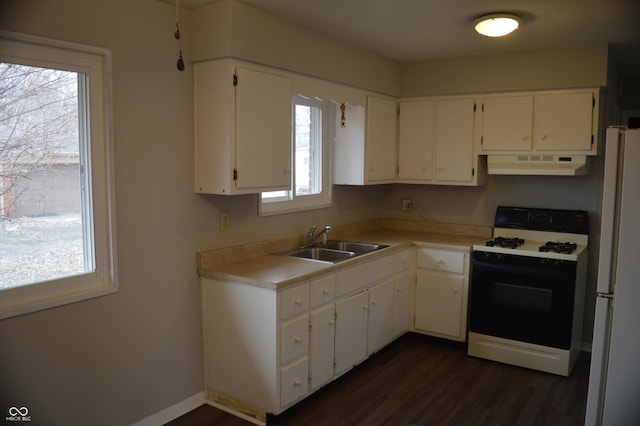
pixel 294 382
pixel 380 326
pixel 321 349
pixel 265 350
pixel 441 293
pixel 351 331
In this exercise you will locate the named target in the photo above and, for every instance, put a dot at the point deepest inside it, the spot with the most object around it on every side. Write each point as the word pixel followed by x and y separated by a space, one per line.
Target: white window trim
pixel 307 202
pixel 96 64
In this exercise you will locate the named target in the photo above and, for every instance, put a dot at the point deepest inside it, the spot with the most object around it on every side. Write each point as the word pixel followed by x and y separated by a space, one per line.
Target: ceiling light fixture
pixel 496 24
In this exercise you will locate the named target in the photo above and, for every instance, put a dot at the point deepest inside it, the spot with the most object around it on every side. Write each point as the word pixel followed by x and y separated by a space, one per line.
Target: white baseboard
pixel 236 413
pixel 173 412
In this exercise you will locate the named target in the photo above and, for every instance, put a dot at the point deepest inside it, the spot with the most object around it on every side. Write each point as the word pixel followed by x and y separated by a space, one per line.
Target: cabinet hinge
pixel 235 174
pixel 309 379
pixel 235 79
pixel 310 326
pixel 592 139
pixel 481 140
pixel 593 102
pixel 473 171
pixel 483 107
pixel 474 107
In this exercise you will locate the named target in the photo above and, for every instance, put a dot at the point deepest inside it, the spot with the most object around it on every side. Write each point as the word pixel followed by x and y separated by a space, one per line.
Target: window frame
pixel 291 202
pixel 95 64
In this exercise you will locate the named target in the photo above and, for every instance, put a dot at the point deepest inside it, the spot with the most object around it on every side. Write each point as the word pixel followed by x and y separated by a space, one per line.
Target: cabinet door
pixel 415 141
pixel 380 328
pixel 294 339
pixel 439 308
pixel 323 327
pixel 351 331
pixel 263 130
pixel 348 149
pixel 381 139
pixel 507 123
pixel 563 122
pixel 294 381
pixel 454 140
pixel 401 298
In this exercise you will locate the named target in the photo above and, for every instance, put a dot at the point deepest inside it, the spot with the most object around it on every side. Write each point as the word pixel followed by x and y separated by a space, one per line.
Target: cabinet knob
pixel 365 307
pixel 545 137
pixel 297 301
pixel 455 290
pixel 525 138
pixel 286 172
pixel 325 291
pixel 297 383
pixel 374 302
pixel 400 289
pixel 331 322
pixel 297 339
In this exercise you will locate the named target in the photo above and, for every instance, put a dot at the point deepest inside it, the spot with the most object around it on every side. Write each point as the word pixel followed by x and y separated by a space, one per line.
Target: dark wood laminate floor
pixel 419 380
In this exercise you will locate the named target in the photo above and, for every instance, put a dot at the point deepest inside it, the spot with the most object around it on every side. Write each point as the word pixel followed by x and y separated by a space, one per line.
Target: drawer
pixel 322 290
pixel 294 339
pixel 294 301
pixel 294 381
pixel 403 261
pixel 364 275
pixel 441 260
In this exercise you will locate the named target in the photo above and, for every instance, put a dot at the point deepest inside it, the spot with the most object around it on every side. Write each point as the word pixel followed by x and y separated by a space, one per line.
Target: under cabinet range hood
pixel 538 164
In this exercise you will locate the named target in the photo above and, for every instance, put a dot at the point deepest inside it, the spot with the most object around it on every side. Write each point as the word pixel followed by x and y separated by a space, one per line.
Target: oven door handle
pixel 523 269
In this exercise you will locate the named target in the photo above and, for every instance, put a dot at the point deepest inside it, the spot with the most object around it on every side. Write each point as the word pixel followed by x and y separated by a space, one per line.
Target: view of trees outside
pixel 41 231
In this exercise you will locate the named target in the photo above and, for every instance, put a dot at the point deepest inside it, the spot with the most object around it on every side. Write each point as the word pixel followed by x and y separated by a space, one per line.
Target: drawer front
pixel 294 301
pixel 294 339
pixel 294 381
pixel 441 260
pixel 322 290
pixel 403 261
pixel 361 276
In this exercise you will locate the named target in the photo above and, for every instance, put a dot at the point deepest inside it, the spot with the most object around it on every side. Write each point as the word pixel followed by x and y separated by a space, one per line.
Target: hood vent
pixel 538 164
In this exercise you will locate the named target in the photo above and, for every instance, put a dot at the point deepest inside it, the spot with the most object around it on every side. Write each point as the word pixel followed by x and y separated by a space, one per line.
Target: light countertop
pixel 256 265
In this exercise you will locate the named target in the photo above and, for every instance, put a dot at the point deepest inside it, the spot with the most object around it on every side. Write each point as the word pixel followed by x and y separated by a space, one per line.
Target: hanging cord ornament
pixel 176 34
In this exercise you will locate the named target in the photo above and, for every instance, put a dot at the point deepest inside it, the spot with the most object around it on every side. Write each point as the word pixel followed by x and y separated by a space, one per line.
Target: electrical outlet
pixel 407 205
pixel 225 221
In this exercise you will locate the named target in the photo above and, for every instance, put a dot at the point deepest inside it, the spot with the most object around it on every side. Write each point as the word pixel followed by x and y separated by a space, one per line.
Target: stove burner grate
pixel 558 247
pixel 504 242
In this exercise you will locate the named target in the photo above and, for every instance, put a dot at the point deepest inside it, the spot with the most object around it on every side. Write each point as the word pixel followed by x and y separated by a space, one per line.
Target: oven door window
pixel 523 304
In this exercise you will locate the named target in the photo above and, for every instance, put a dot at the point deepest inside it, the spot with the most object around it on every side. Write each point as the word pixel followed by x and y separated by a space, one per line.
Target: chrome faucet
pixel 311 237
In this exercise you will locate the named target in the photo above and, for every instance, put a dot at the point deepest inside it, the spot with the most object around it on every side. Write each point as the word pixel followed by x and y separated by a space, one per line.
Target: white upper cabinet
pixel 563 122
pixel 507 123
pixel 365 146
pixel 242 129
pixel 436 142
pixel 415 139
pixel 381 140
pixel 560 122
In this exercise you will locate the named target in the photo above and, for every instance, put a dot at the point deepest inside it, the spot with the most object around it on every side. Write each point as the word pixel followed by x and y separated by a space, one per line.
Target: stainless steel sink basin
pixel 356 247
pixel 322 254
pixel 334 251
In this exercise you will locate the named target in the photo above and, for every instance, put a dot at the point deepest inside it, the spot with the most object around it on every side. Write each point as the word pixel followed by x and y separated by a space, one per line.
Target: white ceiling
pixel 413 30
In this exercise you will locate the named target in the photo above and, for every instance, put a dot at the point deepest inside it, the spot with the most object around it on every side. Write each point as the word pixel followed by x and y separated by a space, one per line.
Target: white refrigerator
pixel 614 378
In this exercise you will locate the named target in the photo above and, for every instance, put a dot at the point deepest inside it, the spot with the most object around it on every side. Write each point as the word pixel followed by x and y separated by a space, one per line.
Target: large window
pixel 56 229
pixel 311 184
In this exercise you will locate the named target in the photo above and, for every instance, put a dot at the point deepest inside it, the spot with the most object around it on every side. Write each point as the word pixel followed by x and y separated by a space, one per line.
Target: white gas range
pixel 527 289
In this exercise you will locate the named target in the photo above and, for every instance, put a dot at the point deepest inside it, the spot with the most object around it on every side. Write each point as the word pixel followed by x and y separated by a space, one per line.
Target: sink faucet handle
pixel 310 235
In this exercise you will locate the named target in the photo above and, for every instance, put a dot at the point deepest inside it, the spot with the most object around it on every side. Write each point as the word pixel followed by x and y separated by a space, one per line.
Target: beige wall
pixel 119 358
pixel 537 69
pixel 257 36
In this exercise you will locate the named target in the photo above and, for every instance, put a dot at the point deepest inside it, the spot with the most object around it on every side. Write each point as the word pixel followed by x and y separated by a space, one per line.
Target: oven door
pixel 523 298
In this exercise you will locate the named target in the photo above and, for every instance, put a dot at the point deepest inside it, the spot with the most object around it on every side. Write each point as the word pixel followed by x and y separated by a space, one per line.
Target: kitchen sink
pixel 334 251
pixel 356 247
pixel 322 254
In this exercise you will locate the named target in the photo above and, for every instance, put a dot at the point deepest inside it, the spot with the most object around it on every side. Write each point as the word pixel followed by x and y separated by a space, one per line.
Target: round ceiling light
pixel 497 24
